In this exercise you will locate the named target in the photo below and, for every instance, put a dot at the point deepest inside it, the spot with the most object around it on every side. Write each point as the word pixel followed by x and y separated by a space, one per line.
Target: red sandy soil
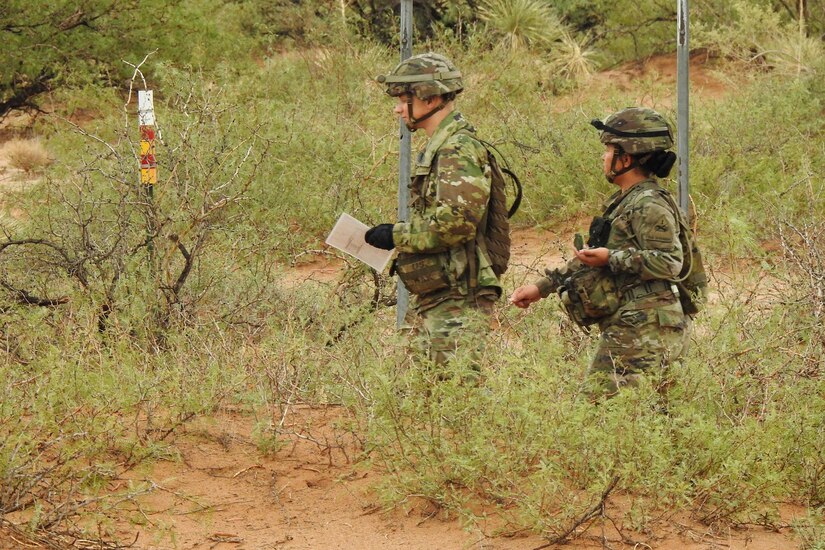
pixel 705 82
pixel 223 493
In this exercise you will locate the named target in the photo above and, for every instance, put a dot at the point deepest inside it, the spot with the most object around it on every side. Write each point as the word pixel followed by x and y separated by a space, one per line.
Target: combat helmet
pixel 636 131
pixel 425 75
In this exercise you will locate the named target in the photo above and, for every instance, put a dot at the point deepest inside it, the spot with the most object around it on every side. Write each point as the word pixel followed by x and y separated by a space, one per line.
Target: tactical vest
pixel 428 274
pixel 590 294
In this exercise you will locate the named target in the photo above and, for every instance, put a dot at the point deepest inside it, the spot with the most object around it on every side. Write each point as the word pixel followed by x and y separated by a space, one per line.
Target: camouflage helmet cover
pixel 426 75
pixel 636 130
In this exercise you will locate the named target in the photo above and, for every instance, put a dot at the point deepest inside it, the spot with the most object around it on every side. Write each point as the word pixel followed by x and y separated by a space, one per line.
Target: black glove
pixel 380 236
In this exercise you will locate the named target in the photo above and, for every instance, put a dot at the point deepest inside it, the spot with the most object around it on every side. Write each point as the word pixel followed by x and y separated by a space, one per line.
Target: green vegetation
pixel 124 316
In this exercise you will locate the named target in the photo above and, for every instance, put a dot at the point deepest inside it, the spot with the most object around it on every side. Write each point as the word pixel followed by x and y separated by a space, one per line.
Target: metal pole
pixel 404 161
pixel 683 107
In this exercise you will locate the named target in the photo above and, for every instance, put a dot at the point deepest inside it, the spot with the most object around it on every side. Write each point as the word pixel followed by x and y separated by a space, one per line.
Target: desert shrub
pixel 811 530
pixel 80 409
pixel 756 36
pixel 254 168
pixel 734 443
pixel 142 261
pixel 28 155
pixel 755 148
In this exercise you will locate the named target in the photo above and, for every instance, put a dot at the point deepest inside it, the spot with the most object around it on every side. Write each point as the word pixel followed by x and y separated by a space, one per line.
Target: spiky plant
pixel 521 23
pixel 793 54
pixel 572 58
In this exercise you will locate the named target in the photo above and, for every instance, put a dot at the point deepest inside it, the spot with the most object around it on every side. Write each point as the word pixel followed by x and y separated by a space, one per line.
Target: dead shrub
pixel 27 155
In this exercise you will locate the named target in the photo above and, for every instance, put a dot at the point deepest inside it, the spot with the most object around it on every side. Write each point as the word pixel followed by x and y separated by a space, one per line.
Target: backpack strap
pixel 506 171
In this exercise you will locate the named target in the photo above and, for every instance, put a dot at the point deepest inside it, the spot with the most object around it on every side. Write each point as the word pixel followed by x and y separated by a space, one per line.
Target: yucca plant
pixel 572 58
pixel 522 23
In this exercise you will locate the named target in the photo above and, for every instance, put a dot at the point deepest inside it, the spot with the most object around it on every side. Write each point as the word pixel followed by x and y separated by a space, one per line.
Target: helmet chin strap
pixel 412 125
pixel 613 174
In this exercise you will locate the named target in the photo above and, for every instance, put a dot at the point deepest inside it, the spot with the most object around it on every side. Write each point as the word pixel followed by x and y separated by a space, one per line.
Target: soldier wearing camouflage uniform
pixel 438 254
pixel 642 254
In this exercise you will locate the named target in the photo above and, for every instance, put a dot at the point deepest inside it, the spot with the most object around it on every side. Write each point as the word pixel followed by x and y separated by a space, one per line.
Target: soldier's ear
pixel 627 160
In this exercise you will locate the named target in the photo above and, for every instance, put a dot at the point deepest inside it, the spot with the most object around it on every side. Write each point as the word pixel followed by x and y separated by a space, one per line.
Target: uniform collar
pixel 452 124
pixel 619 196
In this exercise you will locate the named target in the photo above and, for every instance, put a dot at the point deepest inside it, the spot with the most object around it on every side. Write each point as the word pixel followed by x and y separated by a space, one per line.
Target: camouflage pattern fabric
pixel 637 120
pixel 453 327
pixel 449 195
pixel 650 331
pixel 637 342
pixel 644 236
pixel 426 75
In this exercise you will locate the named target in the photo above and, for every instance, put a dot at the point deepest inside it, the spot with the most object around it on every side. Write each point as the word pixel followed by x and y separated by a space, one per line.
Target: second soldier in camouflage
pixel 635 246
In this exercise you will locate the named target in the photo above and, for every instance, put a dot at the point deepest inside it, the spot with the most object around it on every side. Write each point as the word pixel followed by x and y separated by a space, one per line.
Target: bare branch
pixel 26 298
pixel 596 510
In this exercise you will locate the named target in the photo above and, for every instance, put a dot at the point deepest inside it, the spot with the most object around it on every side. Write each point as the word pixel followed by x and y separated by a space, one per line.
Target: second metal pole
pixel 683 102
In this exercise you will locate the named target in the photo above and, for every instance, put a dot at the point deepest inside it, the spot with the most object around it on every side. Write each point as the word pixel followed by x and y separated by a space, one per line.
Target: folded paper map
pixel 348 236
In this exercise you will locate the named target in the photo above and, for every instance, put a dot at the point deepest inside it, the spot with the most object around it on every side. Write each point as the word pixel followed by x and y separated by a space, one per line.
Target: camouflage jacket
pixel 643 244
pixel 449 193
pixel 644 236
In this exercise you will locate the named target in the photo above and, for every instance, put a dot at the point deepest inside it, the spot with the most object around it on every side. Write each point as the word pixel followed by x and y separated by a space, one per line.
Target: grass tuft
pixel 28 155
pixel 573 59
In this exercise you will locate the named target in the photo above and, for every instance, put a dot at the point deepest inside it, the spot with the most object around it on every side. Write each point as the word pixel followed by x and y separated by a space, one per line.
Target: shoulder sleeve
pixel 657 253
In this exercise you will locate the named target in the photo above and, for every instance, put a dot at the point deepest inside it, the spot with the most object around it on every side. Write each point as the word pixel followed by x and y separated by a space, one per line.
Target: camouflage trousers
pixel 454 326
pixel 635 343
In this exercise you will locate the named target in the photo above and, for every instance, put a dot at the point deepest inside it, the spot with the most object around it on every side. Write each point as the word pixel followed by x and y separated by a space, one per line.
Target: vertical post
pixel 683 107
pixel 404 162
pixel 148 162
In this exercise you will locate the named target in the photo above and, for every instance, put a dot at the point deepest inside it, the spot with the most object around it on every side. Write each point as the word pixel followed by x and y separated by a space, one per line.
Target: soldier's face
pixel 607 160
pixel 419 108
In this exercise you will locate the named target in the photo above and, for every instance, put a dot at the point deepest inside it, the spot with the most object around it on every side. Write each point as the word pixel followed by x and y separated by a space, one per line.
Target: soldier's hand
pixel 380 236
pixel 525 295
pixel 594 257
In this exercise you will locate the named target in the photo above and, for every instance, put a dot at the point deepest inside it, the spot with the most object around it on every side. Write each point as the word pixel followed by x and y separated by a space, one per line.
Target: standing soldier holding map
pixel 443 258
